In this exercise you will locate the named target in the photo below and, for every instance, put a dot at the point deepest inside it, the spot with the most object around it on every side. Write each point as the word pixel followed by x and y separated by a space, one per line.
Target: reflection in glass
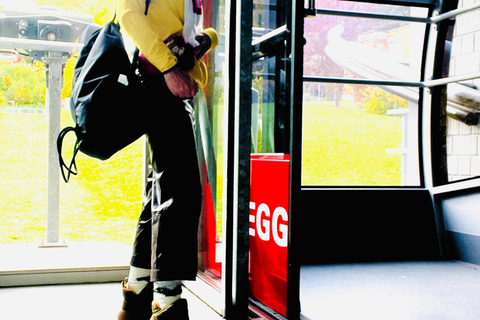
pixel 210 121
pixel 263 105
pixel 265 16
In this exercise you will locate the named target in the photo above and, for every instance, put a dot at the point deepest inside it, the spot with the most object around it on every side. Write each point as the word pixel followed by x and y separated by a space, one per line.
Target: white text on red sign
pixel 266 226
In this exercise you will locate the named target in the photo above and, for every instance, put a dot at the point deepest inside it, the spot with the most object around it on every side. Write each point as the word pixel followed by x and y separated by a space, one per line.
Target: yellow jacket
pixel 164 19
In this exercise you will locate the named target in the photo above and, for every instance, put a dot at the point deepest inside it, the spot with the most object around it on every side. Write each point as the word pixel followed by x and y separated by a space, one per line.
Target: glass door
pixel 210 124
pixel 33 197
pixel 269 80
pixel 39 213
pixel 277 64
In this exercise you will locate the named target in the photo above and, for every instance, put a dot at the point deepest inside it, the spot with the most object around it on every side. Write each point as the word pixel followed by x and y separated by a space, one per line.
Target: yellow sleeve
pixel 212 34
pixel 149 32
pixel 200 73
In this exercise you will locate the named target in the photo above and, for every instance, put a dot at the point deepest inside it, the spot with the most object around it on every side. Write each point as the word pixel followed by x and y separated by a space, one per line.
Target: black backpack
pixel 107 102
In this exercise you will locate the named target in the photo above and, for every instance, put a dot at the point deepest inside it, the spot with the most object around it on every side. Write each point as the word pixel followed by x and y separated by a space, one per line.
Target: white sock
pixel 138 279
pixel 166 293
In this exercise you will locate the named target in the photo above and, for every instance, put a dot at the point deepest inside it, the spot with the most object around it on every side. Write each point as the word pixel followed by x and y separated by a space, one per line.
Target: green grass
pixel 343 147
pixel 102 203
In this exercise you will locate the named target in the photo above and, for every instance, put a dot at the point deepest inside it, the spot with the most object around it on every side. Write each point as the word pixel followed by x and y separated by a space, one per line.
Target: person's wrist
pixel 170 70
pixel 204 45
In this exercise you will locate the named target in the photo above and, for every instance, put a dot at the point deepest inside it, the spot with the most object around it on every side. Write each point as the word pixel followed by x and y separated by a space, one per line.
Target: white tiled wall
pixel 463 141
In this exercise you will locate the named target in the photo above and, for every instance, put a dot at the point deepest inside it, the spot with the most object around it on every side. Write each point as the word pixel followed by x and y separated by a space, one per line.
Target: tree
pixel 378 101
pixel 19 84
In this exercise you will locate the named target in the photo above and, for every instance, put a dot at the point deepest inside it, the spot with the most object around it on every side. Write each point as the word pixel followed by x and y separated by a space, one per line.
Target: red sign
pixel 269 193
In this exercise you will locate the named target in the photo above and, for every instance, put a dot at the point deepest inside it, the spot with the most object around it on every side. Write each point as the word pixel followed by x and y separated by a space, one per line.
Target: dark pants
pixel 166 238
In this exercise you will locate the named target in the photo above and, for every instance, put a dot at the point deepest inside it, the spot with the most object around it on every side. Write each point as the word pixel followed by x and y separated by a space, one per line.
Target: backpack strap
pixel 136 53
pixel 147 4
pixel 72 167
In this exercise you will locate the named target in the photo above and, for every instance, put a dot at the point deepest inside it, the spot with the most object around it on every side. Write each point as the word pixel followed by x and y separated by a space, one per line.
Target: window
pixel 362 72
pixel 103 202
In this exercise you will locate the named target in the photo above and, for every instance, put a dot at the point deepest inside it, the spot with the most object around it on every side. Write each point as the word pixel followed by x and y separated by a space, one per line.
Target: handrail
pixel 346 13
pixel 447 80
pixel 434 19
pixel 270 35
pixel 399 83
pixel 454 13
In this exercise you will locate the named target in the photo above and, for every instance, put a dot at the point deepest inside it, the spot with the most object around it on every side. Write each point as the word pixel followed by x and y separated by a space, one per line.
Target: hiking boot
pixel 136 306
pixel 176 311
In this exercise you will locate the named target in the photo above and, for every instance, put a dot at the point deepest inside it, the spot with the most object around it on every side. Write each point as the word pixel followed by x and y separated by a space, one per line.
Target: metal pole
pixel 57 53
pixel 55 62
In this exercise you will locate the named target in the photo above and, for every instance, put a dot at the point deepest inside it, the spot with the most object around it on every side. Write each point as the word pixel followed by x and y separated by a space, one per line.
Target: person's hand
pixel 204 44
pixel 181 83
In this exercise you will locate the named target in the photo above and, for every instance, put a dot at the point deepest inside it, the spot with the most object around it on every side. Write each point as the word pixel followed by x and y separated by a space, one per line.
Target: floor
pixel 376 291
pixel 47 282
pixel 391 291
pixel 77 302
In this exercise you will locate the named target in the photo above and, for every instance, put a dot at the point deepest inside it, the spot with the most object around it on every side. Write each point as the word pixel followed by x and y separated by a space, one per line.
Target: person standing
pixel 169 35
